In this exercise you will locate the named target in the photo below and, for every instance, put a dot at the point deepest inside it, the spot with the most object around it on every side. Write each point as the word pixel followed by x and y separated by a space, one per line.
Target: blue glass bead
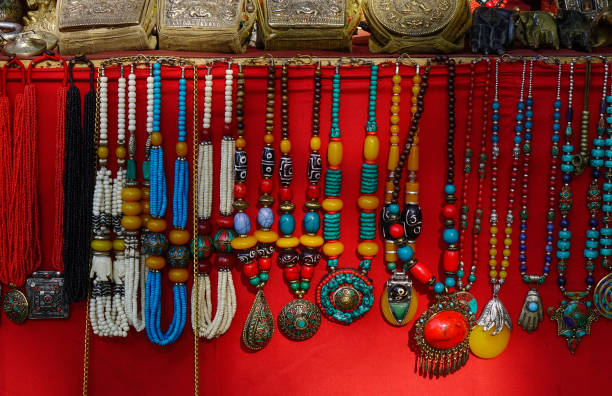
pixel 265 217
pixel 521 105
pixel 548 248
pixel 496 105
pixel 472 278
pixel 286 224
pixel 596 173
pixel 449 281
pixel 561 281
pixel 565 223
pixel 550 238
pixel 495 128
pixel 312 222
pixel 548 259
pixel 460 274
pixel 523 225
pixel 532 307
pixel 450 189
pixel 528 136
pixel 550 227
pixel 495 117
pixel 589 280
pixel 394 208
pixel 438 287
pixel 529 102
pixel 558 104
pixel 522 257
pixel 522 247
pixel 405 253
pixel 529 113
pixel 495 139
pixel 556 138
pixel 523 268
pixel 546 269
pixel 517 139
pixel 520 117
pixel 450 235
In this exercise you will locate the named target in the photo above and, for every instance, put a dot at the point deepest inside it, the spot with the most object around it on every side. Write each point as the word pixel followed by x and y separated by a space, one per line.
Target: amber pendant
pixel 442 335
pixel 399 300
pixel 299 320
pixel 259 325
pixel 602 296
pixel 15 305
pixel 574 320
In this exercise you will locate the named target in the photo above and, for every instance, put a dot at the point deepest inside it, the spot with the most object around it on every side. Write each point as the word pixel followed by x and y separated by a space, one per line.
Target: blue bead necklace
pixel 156 242
pixel 574 317
pixel 532 313
pixel 602 294
pixel 346 294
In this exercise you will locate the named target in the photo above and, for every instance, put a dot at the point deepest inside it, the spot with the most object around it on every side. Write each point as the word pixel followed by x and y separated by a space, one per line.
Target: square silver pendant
pixel 45 293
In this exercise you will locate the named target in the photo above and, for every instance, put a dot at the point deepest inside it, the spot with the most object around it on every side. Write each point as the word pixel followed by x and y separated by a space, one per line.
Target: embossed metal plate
pixel 319 13
pixel 45 292
pixel 199 13
pixel 98 13
pixel 414 17
pixel 15 306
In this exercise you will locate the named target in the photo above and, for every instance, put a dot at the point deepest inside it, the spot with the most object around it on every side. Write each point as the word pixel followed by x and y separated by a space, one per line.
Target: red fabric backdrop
pixel 369 356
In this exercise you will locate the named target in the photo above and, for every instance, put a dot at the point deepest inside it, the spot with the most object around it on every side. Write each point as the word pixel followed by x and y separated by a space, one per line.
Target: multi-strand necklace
pixel 346 294
pixel 574 317
pixel 532 313
pixel 208 326
pixel 259 326
pixel 299 319
pixel 602 294
pixel 399 300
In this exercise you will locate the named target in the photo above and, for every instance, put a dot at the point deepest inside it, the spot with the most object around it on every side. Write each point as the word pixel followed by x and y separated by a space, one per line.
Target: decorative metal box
pixel 307 24
pixel 429 26
pixel 88 26
pixel 205 25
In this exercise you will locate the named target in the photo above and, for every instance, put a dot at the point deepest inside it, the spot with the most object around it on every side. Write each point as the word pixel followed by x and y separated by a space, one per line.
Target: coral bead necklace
pixel 299 319
pixel 346 294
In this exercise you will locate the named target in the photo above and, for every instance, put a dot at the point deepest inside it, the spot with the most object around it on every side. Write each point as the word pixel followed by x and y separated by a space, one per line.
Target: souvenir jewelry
pixel 602 295
pixel 491 335
pixel 259 326
pixel 346 294
pixel 156 242
pixel 226 295
pixel 106 304
pixel 299 319
pixel 531 313
pixel 574 317
pixel 399 300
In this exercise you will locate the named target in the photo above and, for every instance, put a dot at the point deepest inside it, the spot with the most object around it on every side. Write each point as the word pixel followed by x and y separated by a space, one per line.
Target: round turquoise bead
pixel 460 273
pixel 449 282
pixel 312 222
pixel 472 278
pixel 286 224
pixel 532 307
pixel 450 189
pixel 254 281
pixel 405 253
pixel 438 287
pixel 450 235
pixel 394 208
pixel 294 286
pixel 305 285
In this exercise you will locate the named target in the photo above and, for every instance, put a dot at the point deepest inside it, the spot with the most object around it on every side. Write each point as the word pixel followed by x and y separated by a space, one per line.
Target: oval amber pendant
pixel 487 346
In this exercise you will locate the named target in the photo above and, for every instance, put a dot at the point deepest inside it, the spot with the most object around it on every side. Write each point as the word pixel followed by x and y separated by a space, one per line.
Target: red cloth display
pixel 370 356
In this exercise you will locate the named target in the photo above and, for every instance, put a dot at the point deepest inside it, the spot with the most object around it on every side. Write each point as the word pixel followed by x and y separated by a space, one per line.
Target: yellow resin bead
pixel 416 89
pixel 178 275
pixel 243 243
pixel 492 252
pixel 266 236
pixel 506 252
pixel 315 143
pixel 394 139
pixel 413 158
pixel 508 241
pixel 394 119
pixel 181 149
pixel 487 346
pixel 332 204
pixel 371 147
pixel 155 262
pixel 414 109
pixel 131 223
pixel 493 241
pixel 492 262
pixel 333 249
pixel 397 79
pixel 131 194
pixel 287 242
pixel 397 89
pixel 493 274
pixel 395 99
pixel 503 274
pixel 493 230
pixel 393 157
pixel 285 146
pixel 394 128
pixel 179 237
pixel 414 100
pixel 311 240
pixel 505 263
pixel 156 225
pixel 395 109
pixel 120 152
pixel 368 202
pixel 508 230
pixel 240 142
pixel 118 245
pixel 367 249
pixel 268 138
pixel 102 245
pixel 386 310
pixel 131 208
pixel 334 153
pixel 156 139
pixel 103 152
pixel 416 79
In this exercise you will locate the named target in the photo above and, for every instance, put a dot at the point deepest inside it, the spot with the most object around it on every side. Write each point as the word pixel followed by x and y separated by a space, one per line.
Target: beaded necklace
pixel 602 295
pixel 156 241
pixel 259 326
pixel 531 313
pixel 346 294
pixel 574 317
pixel 226 294
pixel 106 313
pixel 399 300
pixel 299 319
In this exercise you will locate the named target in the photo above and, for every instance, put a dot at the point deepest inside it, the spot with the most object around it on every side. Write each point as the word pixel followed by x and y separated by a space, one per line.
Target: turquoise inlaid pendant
pixel 345 295
pixel 299 320
pixel 574 320
pixel 259 326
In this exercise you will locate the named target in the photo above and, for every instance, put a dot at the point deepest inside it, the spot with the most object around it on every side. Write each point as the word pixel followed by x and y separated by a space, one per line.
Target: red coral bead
pixel 204 227
pixel 240 190
pixel 421 273
pixel 266 186
pixel 291 274
pixel 396 230
pixel 450 260
pixel 306 272
pixel 250 270
pixel 204 266
pixel 446 329
pixel 227 130
pixel 223 261
pixel 313 192
pixel 285 194
pixel 449 211
pixel 225 222
pixel 206 135
pixel 265 264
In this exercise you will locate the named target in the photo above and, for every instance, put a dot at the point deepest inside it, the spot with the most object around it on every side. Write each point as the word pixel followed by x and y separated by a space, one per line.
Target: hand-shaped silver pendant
pixel 531 313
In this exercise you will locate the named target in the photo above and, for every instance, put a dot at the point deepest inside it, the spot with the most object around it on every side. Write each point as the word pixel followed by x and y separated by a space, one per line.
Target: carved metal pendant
pixel 259 326
pixel 345 295
pixel 397 299
pixel 531 313
pixel 299 320
pixel 45 292
pixel 495 315
pixel 306 13
pixel 99 13
pixel 574 320
pixel 414 18
pixel 442 335
pixel 205 14
pixel 602 296
pixel 15 305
